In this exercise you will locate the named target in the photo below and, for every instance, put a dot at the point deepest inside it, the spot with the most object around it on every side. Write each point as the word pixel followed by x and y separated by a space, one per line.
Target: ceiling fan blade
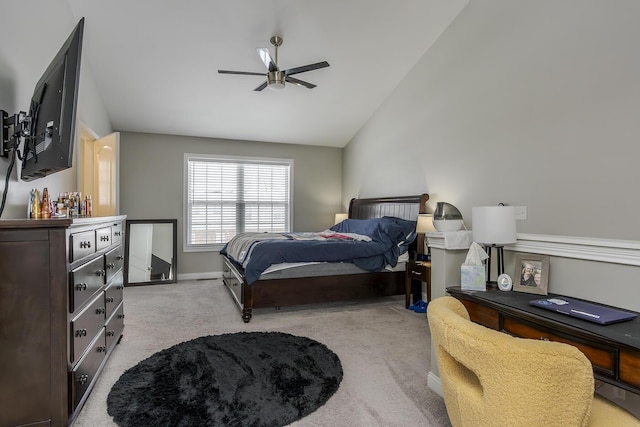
pixel 259 88
pixel 304 68
pixel 246 73
pixel 299 82
pixel 265 56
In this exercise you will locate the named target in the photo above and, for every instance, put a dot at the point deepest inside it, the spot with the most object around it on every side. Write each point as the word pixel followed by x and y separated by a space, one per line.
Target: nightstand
pixel 421 272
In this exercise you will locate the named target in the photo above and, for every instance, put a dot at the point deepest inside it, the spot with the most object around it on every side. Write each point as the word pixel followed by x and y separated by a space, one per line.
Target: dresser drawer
pixel 116 233
pixel 113 296
pixel 603 359
pixel 115 326
pixel 85 325
pixel 82 244
pixel 114 260
pixel 84 373
pixel 103 238
pixel 85 281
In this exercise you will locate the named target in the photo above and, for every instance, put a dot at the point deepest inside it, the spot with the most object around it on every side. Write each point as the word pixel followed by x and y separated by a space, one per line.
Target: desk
pixel 614 350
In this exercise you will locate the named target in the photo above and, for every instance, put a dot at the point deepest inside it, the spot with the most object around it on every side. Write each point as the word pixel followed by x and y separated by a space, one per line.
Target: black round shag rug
pixel 242 379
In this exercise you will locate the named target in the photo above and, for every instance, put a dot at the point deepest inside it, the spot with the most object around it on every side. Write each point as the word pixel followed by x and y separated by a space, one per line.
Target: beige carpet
pixel 384 349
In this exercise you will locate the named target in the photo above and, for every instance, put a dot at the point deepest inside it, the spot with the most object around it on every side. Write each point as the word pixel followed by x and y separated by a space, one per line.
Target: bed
pixel 323 282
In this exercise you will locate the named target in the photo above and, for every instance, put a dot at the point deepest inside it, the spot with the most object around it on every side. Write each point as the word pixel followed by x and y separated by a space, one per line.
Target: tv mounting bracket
pixel 13 128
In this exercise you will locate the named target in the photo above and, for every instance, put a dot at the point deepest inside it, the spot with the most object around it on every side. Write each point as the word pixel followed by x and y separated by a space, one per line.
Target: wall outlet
pixel 521 212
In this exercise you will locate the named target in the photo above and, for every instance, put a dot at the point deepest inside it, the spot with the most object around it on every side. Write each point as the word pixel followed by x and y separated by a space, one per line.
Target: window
pixel 229 195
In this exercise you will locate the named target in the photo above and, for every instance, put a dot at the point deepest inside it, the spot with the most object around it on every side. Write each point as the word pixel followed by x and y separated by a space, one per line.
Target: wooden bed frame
pixel 320 289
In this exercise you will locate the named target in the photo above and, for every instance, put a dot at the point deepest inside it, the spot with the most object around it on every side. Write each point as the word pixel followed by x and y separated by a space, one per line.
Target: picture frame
pixel 531 273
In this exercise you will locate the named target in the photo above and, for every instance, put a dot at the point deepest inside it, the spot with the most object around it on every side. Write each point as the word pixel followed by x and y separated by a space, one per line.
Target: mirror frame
pixel 129 223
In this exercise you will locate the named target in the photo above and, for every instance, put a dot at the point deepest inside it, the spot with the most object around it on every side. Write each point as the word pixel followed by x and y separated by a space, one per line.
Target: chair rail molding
pixel 614 251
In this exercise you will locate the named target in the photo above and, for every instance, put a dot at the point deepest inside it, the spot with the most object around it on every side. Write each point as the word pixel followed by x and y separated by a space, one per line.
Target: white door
pixel 140 244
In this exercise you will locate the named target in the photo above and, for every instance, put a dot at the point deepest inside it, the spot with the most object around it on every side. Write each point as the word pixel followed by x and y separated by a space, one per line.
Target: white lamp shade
pixel 493 225
pixel 425 224
pixel 340 217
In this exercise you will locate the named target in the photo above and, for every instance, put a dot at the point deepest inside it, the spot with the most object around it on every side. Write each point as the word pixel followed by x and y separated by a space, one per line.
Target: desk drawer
pixel 630 367
pixel 603 359
pixel 483 315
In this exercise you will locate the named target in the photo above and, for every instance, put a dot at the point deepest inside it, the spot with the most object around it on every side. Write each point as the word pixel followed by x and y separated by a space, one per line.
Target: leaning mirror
pixel 150 251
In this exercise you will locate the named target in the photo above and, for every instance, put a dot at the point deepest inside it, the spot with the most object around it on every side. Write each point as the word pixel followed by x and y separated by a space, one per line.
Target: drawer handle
pixel 100 273
pixel 81 333
pixel 81 286
pixel 544 339
pixel 120 257
pixel 104 238
pixel 415 272
pixel 101 349
pixel 84 245
pixel 83 379
pixel 111 333
pixel 116 233
pixel 119 287
pixel 110 299
pixel 120 316
pixel 100 310
pixel 111 266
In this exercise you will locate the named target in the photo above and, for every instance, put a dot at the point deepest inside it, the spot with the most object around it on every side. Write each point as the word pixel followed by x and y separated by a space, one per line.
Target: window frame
pixel 214 247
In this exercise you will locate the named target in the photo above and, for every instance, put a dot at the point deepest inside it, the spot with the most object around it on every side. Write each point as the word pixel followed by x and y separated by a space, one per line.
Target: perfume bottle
pixel 45 208
pixel 35 207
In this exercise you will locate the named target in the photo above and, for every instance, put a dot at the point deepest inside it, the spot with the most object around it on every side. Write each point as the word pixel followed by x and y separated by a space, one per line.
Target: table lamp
pixel 340 217
pixel 447 217
pixel 494 227
pixel 424 225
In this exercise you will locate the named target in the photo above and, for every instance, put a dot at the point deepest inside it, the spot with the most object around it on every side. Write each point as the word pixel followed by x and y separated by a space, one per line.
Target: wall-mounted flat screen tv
pixel 49 148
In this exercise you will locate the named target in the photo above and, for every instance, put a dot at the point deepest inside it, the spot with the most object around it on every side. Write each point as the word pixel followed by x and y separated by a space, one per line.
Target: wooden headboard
pixel 406 207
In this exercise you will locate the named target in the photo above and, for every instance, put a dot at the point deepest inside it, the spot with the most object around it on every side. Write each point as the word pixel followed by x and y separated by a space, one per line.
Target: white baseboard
pixel 200 276
pixel 433 381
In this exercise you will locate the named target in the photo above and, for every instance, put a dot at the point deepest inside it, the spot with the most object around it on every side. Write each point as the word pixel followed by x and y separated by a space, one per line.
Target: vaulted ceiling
pixel 155 63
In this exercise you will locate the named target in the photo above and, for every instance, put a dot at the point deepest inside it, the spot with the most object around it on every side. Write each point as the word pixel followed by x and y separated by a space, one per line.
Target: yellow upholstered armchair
pixel 490 378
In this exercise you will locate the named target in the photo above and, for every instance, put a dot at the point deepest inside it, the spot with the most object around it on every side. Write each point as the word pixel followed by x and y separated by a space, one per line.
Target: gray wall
pixel 531 103
pixel 31 34
pixel 151 183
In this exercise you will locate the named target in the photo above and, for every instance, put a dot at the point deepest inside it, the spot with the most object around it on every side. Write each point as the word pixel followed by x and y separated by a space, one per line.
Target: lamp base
pixel 499 262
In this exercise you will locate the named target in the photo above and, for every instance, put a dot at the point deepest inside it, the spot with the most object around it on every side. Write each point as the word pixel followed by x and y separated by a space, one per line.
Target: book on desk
pixel 583 310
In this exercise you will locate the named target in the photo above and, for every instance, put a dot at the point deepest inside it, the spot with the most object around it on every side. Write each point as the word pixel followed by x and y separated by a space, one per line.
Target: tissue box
pixel 472 277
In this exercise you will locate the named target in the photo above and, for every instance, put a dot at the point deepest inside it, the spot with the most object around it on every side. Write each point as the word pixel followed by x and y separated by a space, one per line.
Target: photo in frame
pixel 532 273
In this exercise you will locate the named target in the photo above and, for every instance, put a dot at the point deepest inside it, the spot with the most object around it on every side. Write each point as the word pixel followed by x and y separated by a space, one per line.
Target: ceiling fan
pixel 276 78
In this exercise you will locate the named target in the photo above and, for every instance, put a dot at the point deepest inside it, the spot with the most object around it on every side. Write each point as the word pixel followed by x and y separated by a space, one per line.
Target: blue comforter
pixel 390 238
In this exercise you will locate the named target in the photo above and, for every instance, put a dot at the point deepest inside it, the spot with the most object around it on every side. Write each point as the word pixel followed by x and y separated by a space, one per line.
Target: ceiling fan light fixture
pixel 276 79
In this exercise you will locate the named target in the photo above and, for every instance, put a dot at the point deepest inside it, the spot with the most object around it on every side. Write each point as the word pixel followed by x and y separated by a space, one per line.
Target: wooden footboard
pixel 308 290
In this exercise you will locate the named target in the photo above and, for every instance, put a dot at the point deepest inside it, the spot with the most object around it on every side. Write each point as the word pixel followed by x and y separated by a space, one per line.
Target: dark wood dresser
pixel 61 314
